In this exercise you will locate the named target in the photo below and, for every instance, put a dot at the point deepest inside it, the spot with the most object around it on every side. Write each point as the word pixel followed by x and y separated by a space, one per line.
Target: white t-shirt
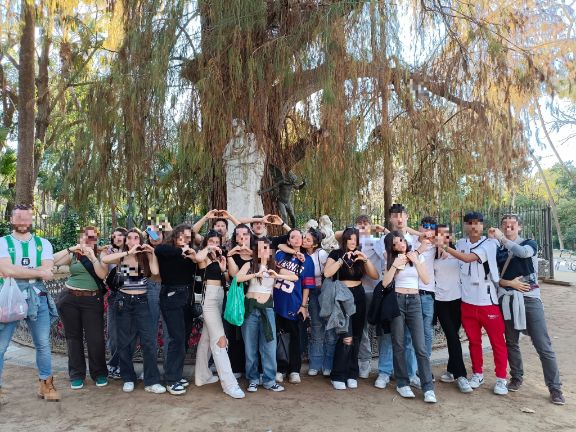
pixel 447 278
pixel 319 257
pixel 30 262
pixel 478 288
pixel 408 277
pixel 429 255
pixel 373 248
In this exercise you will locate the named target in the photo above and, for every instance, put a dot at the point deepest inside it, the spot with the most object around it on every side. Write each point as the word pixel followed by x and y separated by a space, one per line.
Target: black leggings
pixel 291 327
pixel 448 313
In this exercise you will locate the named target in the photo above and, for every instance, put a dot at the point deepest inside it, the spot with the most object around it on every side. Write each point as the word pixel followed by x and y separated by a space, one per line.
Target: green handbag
pixel 234 312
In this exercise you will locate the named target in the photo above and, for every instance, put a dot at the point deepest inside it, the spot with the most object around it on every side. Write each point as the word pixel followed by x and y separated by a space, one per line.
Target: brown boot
pixel 47 391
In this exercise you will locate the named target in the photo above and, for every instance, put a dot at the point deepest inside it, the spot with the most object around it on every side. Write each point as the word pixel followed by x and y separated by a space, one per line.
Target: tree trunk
pixel 26 109
pixel 553 147
pixel 43 98
pixel 550 200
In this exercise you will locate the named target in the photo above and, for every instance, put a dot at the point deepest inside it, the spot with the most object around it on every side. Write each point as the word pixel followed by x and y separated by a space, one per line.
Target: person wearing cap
pixel 480 310
pixel 522 306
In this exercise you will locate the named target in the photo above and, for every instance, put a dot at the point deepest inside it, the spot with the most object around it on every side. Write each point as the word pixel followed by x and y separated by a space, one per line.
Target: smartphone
pixel 153 235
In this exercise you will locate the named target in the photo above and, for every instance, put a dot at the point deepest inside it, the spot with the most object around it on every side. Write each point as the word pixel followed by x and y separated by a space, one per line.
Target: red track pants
pixel 489 317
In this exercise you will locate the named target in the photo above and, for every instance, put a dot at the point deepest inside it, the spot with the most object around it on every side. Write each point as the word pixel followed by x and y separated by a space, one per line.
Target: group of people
pixel 399 281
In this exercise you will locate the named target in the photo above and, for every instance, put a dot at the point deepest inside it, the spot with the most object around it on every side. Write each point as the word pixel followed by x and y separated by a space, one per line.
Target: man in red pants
pixel 479 278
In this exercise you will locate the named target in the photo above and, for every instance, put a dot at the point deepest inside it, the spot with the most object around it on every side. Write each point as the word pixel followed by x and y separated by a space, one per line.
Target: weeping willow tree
pixel 418 101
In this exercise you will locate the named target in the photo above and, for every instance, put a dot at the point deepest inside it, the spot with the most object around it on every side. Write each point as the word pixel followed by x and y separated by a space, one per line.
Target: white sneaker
pixel 312 372
pixel 430 397
pixel 326 372
pixel 279 377
pixel 415 382
pixel 294 378
pixel 128 387
pixel 447 377
pixel 476 381
pixel 500 387
pixel 364 367
pixel 382 381
pixel 253 387
pixel 339 385
pixel 352 383
pixel 464 386
pixel 405 392
pixel 235 392
pixel 237 375
pixel 156 388
pixel 141 377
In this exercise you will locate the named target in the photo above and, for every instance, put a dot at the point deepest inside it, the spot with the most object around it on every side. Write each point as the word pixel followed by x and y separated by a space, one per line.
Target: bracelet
pixel 417 251
pixel 394 267
pixel 305 306
pixel 96 260
pixel 68 249
pixel 365 260
pixel 340 261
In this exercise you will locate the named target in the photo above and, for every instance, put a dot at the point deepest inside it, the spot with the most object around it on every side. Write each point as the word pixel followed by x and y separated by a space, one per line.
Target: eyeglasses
pixel 427 225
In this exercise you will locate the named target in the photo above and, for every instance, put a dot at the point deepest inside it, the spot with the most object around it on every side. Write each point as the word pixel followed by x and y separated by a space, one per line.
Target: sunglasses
pixel 429 225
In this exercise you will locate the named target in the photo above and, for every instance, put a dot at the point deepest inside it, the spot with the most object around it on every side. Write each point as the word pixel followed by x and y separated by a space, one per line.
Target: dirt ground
pixel 312 405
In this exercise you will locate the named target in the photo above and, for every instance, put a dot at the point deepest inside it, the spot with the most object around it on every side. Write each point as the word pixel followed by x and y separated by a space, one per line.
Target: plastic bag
pixel 234 312
pixel 13 305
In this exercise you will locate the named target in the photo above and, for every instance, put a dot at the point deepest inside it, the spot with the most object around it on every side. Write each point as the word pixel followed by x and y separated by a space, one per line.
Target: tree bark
pixel 26 108
pixel 550 200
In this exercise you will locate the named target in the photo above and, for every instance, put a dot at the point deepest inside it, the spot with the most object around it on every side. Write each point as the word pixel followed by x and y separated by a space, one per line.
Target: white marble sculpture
pixel 244 164
pixel 329 243
pixel 312 223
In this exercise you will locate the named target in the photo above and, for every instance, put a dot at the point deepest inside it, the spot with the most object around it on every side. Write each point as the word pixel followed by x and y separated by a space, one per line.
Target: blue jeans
pixel 133 320
pixel 386 355
pixel 40 330
pixel 255 342
pixel 322 342
pixel 411 317
pixel 427 301
pixel 155 316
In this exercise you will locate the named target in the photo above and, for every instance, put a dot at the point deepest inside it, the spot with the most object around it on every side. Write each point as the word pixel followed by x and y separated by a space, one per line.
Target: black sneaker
pixel 514 384
pixel 114 373
pixel 275 388
pixel 556 397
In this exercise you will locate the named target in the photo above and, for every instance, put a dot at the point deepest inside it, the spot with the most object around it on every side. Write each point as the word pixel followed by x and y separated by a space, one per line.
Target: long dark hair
pixel 171 239
pixel 450 243
pixel 142 258
pixel 318 236
pixel 391 254
pixel 357 269
pixel 255 262
pixel 233 239
pixel 210 234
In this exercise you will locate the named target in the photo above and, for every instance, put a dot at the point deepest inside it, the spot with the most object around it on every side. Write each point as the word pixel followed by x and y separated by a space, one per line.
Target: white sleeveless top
pixel 262 286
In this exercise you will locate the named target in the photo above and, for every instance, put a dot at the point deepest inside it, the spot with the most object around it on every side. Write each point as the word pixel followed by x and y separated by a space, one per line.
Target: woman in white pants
pixel 212 265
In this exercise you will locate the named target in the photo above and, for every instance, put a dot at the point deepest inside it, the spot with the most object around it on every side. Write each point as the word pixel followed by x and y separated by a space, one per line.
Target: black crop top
pixel 346 273
pixel 213 271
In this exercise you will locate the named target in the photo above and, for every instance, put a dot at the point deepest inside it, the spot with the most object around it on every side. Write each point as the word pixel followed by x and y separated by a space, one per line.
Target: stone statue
pixel 283 187
pixel 329 243
pixel 244 164
pixel 312 223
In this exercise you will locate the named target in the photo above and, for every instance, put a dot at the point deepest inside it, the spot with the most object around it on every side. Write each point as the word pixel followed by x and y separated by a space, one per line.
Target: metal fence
pixel 536 224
